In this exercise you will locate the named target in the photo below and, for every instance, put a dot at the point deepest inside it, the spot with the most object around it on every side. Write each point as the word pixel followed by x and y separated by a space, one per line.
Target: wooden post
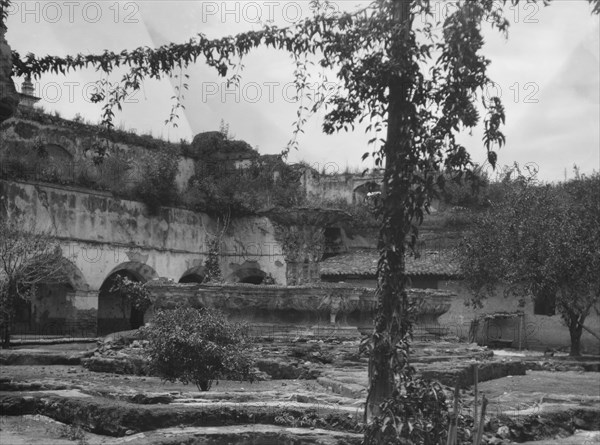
pixel 481 421
pixel 476 389
pixel 453 426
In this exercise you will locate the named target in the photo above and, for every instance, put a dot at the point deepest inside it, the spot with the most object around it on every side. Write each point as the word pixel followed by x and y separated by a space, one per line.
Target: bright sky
pixel 547 74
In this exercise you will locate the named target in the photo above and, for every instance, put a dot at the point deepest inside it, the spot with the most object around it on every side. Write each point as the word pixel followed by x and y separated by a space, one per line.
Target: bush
pixel 133 292
pixel 197 346
pixel 416 413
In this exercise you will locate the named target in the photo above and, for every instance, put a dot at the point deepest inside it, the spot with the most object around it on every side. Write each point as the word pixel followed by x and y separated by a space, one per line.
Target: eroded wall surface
pixel 71 147
pixel 316 304
pixel 101 235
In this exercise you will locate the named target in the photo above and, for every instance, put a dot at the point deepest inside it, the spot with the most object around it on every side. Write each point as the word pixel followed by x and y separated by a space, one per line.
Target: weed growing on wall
pixel 157 186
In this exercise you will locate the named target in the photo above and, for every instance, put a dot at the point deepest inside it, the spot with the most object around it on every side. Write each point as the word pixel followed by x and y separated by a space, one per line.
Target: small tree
pixel 136 295
pixel 28 258
pixel 197 346
pixel 543 242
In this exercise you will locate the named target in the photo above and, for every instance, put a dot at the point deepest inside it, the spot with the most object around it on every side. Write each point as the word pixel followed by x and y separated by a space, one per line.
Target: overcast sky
pixel 547 74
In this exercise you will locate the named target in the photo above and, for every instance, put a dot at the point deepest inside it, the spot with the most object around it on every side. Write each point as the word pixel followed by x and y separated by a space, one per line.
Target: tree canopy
pixel 540 242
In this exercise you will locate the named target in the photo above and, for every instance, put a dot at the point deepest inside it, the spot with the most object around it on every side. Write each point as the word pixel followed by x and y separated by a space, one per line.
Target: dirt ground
pixel 67 392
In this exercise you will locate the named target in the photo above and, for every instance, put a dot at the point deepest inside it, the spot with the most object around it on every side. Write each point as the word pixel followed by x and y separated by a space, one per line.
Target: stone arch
pixel 74 276
pixel 115 314
pixel 249 272
pixel 193 275
pixel 57 152
pixel 142 272
pixel 67 146
pixel 58 306
pixel 57 161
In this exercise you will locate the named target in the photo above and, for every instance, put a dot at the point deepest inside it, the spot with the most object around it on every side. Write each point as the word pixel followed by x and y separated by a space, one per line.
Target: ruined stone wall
pixel 101 235
pixel 334 186
pixel 317 304
pixel 72 148
pixel 539 331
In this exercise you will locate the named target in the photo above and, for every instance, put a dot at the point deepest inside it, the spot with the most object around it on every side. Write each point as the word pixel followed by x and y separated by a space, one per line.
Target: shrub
pixel 197 346
pixel 134 292
pixel 416 413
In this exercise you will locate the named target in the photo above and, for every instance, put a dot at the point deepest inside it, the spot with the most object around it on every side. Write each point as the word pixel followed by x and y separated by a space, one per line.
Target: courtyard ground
pixel 313 393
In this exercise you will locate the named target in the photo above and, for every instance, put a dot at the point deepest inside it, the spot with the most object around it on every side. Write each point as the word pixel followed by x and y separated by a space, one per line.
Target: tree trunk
pixel 6 324
pixel 575 333
pixel 391 322
pixel 6 337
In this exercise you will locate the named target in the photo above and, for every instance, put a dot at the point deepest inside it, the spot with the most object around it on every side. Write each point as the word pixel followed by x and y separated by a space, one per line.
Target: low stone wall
pixel 321 304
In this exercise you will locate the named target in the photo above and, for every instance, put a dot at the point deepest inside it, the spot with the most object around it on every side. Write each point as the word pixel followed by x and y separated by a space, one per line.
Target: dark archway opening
pixel 334 242
pixel 192 278
pixel 48 311
pixel 253 279
pixel 114 312
pixel 251 274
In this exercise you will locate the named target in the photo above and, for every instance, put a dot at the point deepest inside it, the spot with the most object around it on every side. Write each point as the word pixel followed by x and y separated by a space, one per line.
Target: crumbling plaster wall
pixel 323 304
pixel 100 234
pixel 250 242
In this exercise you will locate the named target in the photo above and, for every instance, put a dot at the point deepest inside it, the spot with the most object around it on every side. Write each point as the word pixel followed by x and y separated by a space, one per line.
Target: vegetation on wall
pixel 156 186
pixel 91 130
pixel 301 243
pixel 261 184
pixel 212 268
pixel 363 213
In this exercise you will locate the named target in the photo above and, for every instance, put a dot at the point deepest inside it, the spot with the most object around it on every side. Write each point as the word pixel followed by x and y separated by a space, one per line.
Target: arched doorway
pixel 114 312
pixel 256 276
pixel 194 275
pixel 249 272
pixel 53 309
